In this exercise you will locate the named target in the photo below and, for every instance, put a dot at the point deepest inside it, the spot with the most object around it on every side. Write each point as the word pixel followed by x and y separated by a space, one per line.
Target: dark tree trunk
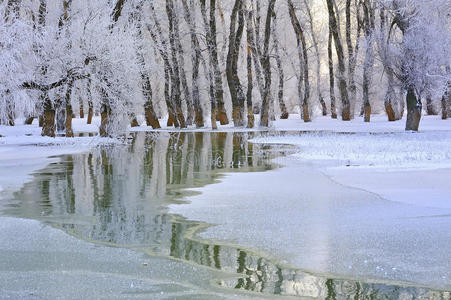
pixel 196 57
pixel 168 71
pixel 343 87
pixel 29 121
pixel 283 108
pixel 149 112
pixel 10 108
pixel 414 108
pixel 390 95
pixel 256 55
pixel 69 111
pixel 430 105
pixel 105 115
pixel 250 77
pixel 12 9
pixel 60 113
pixel 63 24
pixel 352 52
pixel 106 109
pixel 333 108
pixel 175 75
pixel 181 66
pixel 369 21
pixel 82 109
pixel 90 104
pixel 48 120
pixel 446 101
pixel 388 103
pixel 236 90
pixel 303 60
pixel 318 60
pixel 214 116
pixel 213 47
pixel 266 64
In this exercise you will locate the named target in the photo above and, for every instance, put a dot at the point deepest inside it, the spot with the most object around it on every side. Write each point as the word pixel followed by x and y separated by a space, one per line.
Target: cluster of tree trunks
pixel 183 101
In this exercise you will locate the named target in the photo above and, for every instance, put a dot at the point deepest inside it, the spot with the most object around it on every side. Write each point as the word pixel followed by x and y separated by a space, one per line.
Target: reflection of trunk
pixel 333 26
pixel 196 57
pixel 266 64
pixel 236 91
pixel 303 61
pixel 318 60
pixel 333 108
pixel 414 107
pixel 282 106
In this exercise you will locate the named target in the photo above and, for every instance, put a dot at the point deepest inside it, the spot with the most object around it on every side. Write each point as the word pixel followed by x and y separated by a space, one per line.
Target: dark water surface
pixel 117 195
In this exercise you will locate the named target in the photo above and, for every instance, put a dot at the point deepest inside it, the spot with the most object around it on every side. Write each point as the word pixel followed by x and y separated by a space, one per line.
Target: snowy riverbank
pixel 412 168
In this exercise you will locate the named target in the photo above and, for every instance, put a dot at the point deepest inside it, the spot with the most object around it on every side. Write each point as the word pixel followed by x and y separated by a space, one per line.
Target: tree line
pixel 224 60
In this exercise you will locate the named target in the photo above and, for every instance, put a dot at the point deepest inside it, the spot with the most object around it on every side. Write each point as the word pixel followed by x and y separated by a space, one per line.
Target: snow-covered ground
pixel 378 124
pixel 413 168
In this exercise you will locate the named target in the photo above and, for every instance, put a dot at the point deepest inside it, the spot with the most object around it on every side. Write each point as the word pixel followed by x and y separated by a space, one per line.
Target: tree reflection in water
pixel 118 195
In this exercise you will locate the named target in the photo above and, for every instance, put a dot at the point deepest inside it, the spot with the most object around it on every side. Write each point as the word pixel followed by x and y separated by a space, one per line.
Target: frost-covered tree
pixel 420 50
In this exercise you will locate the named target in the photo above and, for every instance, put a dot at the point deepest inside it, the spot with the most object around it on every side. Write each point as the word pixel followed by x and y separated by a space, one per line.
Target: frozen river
pixel 211 215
